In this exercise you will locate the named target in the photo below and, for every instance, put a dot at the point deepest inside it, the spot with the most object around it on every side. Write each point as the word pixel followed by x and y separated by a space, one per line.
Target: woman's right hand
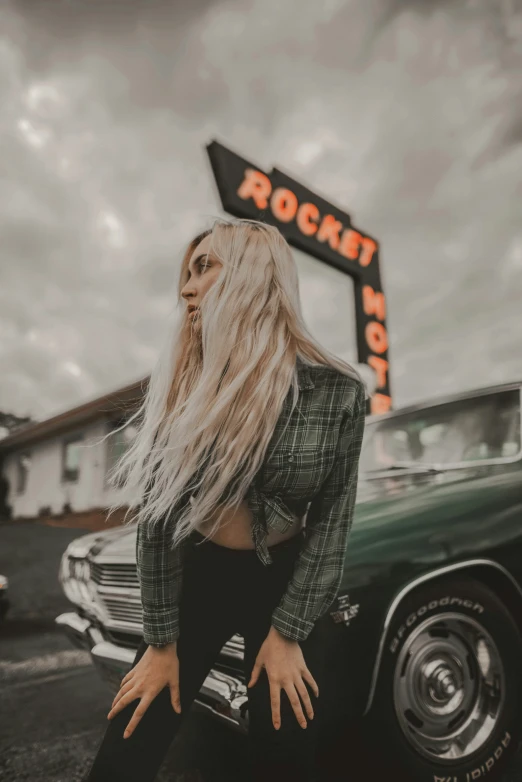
pixel 157 668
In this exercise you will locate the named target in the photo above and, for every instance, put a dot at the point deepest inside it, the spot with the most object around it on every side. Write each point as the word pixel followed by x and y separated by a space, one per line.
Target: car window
pixel 470 430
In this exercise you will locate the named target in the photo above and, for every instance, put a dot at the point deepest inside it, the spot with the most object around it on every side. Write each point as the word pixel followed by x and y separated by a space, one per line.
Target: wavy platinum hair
pixel 218 387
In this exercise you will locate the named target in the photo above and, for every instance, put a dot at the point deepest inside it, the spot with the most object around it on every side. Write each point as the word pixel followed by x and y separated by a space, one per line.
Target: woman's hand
pixel 285 667
pixel 157 668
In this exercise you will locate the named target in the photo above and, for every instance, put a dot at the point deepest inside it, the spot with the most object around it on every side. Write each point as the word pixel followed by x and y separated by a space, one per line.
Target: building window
pixel 117 444
pixel 22 470
pixel 71 459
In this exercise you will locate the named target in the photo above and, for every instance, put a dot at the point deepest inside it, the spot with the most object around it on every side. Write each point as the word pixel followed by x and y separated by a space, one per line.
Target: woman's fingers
pixel 275 702
pixel 293 697
pixel 139 711
pixel 307 676
pixel 131 695
pixel 122 691
pixel 303 692
pixel 127 676
pixel 296 703
pixel 296 692
pixel 174 696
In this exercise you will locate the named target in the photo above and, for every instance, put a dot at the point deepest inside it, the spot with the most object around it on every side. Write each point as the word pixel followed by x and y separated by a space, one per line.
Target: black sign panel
pixel 317 227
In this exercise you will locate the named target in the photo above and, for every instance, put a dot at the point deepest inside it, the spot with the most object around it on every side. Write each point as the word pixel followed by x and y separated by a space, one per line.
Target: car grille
pixel 118 590
pixel 122 609
pixel 115 574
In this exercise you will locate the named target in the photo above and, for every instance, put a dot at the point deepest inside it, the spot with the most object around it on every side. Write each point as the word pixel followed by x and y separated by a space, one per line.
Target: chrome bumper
pixel 222 696
pixel 79 631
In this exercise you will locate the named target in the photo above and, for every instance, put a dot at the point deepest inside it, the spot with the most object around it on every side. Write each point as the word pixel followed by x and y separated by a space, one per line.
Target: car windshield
pixel 469 430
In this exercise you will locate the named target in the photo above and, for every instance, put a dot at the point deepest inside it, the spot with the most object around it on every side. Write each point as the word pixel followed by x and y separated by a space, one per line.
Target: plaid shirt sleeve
pixel 159 569
pixel 319 565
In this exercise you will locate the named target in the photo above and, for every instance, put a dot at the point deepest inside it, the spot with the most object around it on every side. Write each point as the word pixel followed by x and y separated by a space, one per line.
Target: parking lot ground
pixel 54 703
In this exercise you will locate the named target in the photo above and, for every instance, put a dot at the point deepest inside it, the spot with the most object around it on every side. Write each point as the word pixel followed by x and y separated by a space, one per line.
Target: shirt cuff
pixel 160 627
pixel 292 627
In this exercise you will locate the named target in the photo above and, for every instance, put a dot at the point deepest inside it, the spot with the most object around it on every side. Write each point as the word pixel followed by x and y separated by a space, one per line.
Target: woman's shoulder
pixel 334 377
pixel 347 391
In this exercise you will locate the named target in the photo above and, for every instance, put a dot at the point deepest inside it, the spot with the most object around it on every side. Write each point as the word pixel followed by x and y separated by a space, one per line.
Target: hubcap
pixel 448 687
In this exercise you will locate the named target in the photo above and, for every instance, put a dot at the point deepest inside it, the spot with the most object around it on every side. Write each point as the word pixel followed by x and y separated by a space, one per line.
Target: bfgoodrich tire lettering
pixel 447 704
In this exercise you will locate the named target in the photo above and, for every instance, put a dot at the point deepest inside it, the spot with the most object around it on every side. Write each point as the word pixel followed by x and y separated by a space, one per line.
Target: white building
pixel 57 469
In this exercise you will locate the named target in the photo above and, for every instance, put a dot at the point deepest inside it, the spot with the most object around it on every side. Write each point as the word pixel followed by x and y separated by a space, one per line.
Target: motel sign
pixel 322 230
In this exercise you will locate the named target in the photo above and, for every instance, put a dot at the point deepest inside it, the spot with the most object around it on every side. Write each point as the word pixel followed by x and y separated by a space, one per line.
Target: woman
pixel 248 429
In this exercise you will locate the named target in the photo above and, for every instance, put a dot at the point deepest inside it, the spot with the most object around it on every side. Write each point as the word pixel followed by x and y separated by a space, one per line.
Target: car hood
pixel 120 541
pixel 425 520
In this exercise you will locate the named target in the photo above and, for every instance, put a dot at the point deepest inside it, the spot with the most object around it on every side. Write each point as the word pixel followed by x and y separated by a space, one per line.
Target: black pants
pixel 224 591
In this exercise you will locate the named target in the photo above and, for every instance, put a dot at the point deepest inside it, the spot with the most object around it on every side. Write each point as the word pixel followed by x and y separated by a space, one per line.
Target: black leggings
pixel 224 591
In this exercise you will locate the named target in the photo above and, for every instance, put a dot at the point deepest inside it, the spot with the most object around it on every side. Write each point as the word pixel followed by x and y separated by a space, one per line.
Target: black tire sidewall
pixel 462 596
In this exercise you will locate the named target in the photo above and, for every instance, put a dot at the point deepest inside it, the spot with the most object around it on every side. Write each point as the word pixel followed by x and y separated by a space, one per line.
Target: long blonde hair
pixel 217 389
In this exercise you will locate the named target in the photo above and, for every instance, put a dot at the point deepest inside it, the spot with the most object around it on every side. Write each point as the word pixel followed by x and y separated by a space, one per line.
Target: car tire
pixel 448 701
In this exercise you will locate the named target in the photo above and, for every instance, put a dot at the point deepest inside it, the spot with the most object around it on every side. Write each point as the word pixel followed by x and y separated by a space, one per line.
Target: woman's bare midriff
pixel 235 530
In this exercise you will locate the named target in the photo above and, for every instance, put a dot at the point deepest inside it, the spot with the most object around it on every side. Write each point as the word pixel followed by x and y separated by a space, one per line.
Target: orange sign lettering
pixel 285 207
pixel 284 204
pixel 256 186
pixel 374 303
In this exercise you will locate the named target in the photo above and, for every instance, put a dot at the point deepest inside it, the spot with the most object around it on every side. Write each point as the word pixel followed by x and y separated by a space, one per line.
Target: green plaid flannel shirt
pixel 312 469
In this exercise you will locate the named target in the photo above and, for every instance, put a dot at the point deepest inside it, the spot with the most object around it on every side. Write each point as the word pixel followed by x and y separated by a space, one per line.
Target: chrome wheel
pixel 448 687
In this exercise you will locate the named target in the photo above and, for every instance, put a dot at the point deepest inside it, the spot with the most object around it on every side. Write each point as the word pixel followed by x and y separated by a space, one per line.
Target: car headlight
pixel 72 592
pixel 65 567
pixel 75 576
pixel 84 592
pixel 81 570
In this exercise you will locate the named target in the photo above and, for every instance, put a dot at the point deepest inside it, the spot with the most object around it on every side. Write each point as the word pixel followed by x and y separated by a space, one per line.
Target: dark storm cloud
pixel 394 7
pixel 119 17
pixel 142 46
pixel 513 133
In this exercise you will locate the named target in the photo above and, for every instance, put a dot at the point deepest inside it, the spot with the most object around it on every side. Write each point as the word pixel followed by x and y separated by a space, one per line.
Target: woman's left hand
pixel 285 667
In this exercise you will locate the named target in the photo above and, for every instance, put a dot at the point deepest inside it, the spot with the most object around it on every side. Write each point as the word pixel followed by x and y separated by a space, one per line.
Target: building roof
pixel 109 406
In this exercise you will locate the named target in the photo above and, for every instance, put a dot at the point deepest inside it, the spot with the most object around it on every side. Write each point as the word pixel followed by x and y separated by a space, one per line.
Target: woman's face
pixel 203 272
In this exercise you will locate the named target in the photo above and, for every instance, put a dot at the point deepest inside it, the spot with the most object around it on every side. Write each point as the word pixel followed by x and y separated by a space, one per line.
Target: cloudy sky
pixel 408 113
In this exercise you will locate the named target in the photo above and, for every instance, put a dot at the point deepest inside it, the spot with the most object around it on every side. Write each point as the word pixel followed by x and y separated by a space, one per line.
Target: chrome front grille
pixel 118 591
pixel 122 609
pixel 115 574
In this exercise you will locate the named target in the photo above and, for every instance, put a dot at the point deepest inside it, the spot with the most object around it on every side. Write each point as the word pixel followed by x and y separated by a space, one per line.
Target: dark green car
pixel 425 637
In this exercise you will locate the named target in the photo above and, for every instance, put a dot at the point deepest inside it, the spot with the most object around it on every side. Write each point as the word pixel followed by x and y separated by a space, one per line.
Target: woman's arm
pixel 319 565
pixel 159 569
